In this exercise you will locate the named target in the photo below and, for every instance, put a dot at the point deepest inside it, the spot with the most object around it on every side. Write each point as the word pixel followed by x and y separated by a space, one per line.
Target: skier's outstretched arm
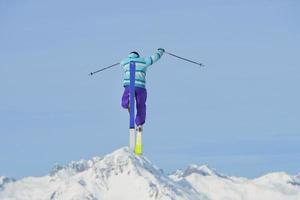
pixel 155 57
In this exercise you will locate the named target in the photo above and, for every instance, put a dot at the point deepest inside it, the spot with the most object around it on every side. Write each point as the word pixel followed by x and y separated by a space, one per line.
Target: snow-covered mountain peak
pixel 275 186
pixel 296 180
pixel 123 175
pixel 274 177
pixel 119 175
pixel 122 158
pixel 115 162
pixel 72 168
pixel 202 170
pixel 5 180
pixel 279 178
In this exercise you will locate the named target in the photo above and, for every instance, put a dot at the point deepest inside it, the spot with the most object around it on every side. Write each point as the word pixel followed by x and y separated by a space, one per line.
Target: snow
pixel 275 186
pixel 5 180
pixel 125 176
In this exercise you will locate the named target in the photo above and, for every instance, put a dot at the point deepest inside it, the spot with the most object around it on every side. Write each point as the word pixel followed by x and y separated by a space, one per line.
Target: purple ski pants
pixel 140 97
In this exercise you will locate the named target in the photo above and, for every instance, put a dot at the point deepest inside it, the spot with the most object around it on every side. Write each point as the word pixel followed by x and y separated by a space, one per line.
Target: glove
pixel 161 49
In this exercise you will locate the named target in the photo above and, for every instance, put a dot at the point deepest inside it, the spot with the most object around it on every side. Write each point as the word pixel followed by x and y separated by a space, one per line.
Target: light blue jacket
pixel 141 67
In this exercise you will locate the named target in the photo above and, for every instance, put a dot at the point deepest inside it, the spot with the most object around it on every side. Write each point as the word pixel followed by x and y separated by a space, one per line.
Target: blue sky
pixel 239 115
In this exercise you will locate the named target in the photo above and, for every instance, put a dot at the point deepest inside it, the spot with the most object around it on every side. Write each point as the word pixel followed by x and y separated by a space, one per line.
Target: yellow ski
pixel 138 144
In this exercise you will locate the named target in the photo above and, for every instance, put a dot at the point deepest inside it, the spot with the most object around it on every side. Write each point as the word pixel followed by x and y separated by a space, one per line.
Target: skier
pixel 135 68
pixel 140 83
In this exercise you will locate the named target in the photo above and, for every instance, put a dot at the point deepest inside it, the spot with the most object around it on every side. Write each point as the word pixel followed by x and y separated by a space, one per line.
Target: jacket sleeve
pixel 124 61
pixel 155 57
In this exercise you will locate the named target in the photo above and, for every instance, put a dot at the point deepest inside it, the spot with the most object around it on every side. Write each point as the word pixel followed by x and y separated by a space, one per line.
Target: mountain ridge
pixel 123 175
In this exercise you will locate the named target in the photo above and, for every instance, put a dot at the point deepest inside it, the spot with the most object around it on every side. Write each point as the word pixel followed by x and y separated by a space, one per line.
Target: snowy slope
pixel 274 186
pixel 123 176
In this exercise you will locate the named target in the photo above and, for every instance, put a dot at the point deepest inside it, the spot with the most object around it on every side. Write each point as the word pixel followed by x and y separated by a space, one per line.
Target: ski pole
pixel 100 70
pixel 171 54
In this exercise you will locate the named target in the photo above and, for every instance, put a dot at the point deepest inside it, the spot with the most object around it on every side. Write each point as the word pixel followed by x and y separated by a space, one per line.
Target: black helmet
pixel 136 53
